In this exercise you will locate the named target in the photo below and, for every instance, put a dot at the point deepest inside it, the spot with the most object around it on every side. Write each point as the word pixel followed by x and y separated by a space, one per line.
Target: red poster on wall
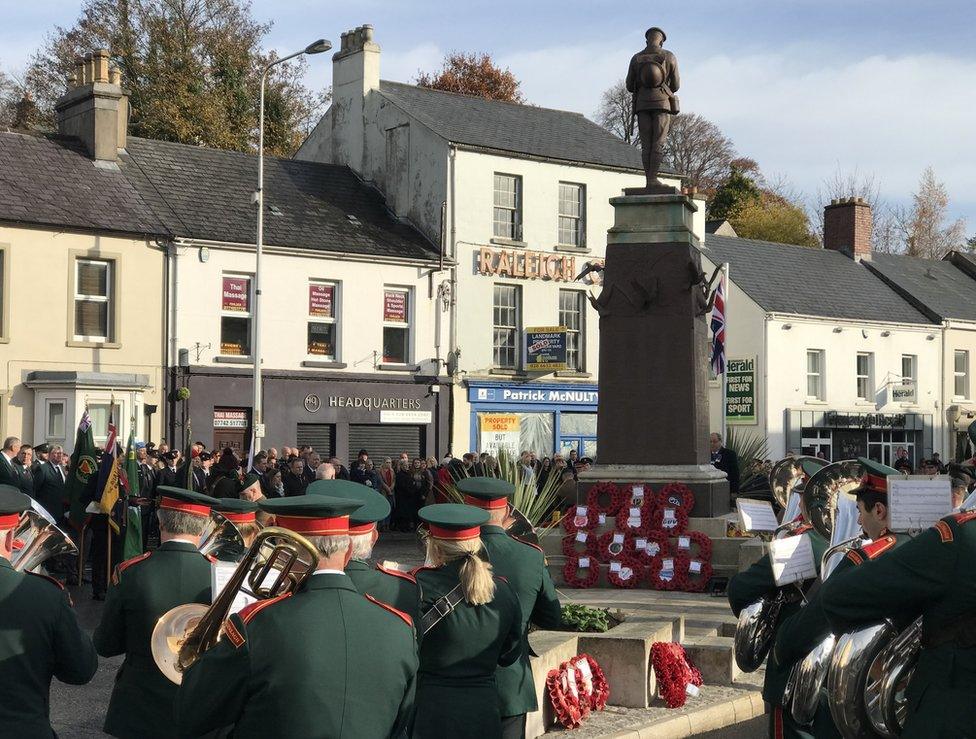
pixel 395 306
pixel 235 294
pixel 321 300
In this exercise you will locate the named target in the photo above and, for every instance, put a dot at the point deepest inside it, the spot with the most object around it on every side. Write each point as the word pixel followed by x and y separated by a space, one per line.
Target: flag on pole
pixel 718 328
pixel 186 471
pixel 132 546
pixel 111 485
pixel 131 465
pixel 83 466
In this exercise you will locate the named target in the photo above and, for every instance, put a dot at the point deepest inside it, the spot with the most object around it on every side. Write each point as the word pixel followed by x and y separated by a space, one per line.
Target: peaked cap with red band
pixel 375 507
pixel 312 515
pixel 237 510
pixel 875 477
pixel 453 521
pixel 185 501
pixel 486 492
pixel 12 504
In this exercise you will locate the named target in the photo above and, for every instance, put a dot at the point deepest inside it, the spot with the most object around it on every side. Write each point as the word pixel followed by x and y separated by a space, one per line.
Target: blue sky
pixel 884 87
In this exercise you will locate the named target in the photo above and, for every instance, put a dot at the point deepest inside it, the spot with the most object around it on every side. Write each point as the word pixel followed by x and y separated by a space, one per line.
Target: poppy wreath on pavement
pixel 564 696
pixel 661 578
pixel 676 495
pixel 625 522
pixel 605 497
pixel 591 682
pixel 699 546
pixel 656 543
pixel 625 573
pixel 672 520
pixel 695 573
pixel 572 572
pixel 611 545
pixel 580 543
pixel 579 518
pixel 674 673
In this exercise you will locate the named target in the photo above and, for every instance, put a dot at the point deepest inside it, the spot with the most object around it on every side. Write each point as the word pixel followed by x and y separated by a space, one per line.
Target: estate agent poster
pixel 545 349
pixel 499 431
pixel 740 391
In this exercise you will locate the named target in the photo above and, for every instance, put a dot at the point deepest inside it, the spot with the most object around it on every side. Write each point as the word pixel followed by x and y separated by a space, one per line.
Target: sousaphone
pixel 823 489
pixel 788 476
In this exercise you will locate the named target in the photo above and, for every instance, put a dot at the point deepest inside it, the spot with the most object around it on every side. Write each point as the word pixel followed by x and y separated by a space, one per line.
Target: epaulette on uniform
pixel 210 558
pixel 945 528
pixel 527 543
pixel 873 550
pixel 250 611
pixel 48 578
pixel 803 529
pixel 406 618
pixel 415 570
pixel 396 573
pixel 123 566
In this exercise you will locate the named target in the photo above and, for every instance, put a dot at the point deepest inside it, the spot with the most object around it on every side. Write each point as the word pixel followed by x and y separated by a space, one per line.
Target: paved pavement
pixel 77 712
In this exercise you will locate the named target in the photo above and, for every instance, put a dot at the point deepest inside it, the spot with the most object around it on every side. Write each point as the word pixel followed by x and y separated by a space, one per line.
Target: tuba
pixel 278 562
pixel 39 540
pixel 221 537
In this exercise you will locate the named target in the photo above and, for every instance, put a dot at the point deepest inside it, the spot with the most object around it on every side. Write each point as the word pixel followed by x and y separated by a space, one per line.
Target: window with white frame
pixel 235 315
pixel 572 221
pixel 507 218
pixel 55 420
pixel 960 372
pixel 865 376
pixel 93 299
pixel 909 369
pixel 506 311
pixel 322 320
pixel 571 315
pixel 815 374
pixel 3 293
pixel 101 413
pixel 396 326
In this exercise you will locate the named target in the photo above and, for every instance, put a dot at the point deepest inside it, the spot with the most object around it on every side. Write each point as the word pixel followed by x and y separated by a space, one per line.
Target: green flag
pixel 131 465
pixel 83 466
pixel 187 470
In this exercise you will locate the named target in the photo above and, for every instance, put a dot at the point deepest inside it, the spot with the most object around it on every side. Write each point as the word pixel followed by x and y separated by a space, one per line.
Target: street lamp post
pixel 257 417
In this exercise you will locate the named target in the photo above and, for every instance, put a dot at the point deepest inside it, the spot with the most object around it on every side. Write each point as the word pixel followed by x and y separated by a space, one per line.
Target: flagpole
pixel 725 349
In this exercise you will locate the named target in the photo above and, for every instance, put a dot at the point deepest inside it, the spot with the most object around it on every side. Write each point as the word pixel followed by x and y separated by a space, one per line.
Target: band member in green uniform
pixel 749 586
pixel 392 586
pixel 472 623
pixel 243 514
pixel 524 566
pixel 930 576
pixel 801 632
pixel 39 635
pixel 143 589
pixel 324 662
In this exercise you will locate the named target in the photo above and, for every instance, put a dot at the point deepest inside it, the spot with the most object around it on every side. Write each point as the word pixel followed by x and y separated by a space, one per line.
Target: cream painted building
pixel 81 315
pixel 519 197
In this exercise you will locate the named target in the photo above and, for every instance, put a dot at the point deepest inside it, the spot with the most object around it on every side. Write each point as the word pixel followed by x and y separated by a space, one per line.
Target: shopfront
pixel 846 435
pixel 538 417
pixel 337 416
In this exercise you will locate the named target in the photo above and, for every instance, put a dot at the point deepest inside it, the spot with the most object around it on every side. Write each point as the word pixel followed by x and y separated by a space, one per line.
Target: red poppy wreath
pixel 674 673
pixel 676 495
pixel 611 545
pixel 625 573
pixel 579 518
pixel 605 497
pixel 581 572
pixel 672 520
pixel 578 544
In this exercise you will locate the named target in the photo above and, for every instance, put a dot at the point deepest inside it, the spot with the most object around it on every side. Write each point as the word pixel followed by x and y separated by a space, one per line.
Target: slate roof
pixel 205 193
pixel 512 127
pixel 783 278
pixel 936 285
pixel 50 181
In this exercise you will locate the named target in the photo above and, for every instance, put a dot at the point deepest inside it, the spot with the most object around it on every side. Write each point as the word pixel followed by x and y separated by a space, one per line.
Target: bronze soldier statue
pixel 653 79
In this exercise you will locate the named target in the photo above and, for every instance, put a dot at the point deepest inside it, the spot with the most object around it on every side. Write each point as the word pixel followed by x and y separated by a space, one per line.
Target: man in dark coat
pixel 49 478
pixel 725 460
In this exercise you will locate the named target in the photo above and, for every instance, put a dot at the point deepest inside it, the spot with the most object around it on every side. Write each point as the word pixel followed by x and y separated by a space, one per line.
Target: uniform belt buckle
pixel 442 603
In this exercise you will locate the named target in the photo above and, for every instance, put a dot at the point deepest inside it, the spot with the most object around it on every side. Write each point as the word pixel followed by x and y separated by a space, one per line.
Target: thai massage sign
pixel 529 265
pixel 740 390
pixel 235 293
pixel 395 306
pixel 321 299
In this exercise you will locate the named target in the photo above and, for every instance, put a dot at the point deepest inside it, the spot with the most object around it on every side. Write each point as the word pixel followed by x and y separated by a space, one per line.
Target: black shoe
pixel 98 596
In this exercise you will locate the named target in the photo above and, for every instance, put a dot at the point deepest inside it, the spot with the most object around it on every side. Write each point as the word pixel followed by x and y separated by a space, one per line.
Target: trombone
pixel 278 562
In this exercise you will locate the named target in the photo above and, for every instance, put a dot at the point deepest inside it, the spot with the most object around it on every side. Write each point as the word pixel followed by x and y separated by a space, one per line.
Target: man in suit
pixel 725 460
pixel 49 478
pixel 8 454
pixel 524 566
pixel 324 661
pixel 294 478
pixel 41 635
pixel 22 467
pixel 170 474
pixel 142 590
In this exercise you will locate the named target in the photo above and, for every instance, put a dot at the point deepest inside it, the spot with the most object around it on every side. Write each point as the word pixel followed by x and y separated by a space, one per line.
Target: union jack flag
pixel 718 329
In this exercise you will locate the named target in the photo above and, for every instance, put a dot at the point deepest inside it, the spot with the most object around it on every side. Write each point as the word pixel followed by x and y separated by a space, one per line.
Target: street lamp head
pixel 317 47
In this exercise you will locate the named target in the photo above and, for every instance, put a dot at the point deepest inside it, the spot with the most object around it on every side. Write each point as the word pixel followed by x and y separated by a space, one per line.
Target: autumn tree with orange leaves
pixel 473 74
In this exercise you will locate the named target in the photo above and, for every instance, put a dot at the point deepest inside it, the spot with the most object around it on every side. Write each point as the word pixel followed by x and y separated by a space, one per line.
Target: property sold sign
pixel 740 391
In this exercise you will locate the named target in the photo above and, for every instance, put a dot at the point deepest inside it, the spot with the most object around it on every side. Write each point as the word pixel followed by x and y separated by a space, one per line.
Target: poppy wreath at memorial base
pixel 674 673
pixel 581 572
pixel 612 545
pixel 625 573
pixel 579 544
pixel 580 518
pixel 605 498
pixel 576 688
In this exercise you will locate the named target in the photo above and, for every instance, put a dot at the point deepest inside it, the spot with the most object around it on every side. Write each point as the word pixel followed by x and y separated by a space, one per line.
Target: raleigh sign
pixel 529 265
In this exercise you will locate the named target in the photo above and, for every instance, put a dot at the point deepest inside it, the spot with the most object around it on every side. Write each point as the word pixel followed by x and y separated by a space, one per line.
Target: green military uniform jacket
pixel 326 662
pixel 39 639
pixel 456 692
pixel 749 586
pixel 399 589
pixel 524 566
pixel 142 590
pixel 931 576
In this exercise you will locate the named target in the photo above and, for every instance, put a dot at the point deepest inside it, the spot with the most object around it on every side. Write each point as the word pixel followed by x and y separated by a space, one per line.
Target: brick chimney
pixel 847 227
pixel 95 109
pixel 355 71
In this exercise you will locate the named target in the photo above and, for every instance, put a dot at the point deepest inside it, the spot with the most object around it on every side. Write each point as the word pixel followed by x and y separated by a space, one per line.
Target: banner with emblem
pixel 82 467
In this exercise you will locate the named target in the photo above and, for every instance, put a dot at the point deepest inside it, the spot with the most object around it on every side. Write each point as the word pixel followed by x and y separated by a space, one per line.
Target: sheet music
pixel 916 502
pixel 792 560
pixel 220 573
pixel 756 515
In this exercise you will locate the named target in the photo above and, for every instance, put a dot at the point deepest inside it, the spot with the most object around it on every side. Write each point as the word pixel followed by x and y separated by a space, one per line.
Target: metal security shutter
pixel 319 436
pixel 386 440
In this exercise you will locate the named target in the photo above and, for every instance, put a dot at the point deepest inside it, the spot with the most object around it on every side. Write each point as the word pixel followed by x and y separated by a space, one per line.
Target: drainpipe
pixel 452 319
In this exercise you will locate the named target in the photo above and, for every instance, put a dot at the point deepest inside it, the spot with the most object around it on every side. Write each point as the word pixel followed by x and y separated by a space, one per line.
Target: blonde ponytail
pixel 476 579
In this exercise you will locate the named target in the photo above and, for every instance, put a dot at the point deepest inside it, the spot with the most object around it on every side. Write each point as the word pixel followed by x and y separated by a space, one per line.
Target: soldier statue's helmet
pixel 652 74
pixel 652 29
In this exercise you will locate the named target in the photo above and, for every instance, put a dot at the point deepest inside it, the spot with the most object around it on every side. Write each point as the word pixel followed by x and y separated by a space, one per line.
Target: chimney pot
pixel 847 227
pixel 94 109
pixel 368 33
pixel 114 75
